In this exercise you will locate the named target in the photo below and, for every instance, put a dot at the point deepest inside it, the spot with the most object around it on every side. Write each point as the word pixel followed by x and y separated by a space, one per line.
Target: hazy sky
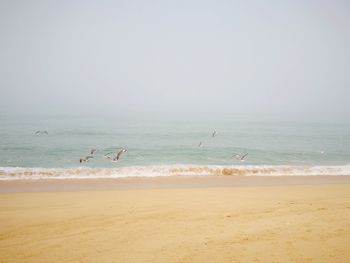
pixel 255 60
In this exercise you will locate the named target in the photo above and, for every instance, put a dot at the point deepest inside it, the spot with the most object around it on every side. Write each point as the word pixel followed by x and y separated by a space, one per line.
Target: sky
pixel 236 60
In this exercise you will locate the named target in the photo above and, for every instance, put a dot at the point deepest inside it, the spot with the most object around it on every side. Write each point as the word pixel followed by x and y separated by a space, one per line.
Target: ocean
pixel 163 148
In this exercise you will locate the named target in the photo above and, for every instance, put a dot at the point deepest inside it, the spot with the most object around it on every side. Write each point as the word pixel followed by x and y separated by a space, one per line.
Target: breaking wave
pixel 18 173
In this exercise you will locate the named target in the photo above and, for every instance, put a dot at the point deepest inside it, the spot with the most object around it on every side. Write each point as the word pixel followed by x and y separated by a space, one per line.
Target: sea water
pixel 162 148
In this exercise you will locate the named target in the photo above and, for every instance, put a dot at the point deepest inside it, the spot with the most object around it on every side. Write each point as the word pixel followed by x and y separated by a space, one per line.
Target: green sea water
pixel 169 144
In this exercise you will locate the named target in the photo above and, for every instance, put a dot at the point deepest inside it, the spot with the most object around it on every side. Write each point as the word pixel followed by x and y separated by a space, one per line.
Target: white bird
pixel 117 156
pixel 41 132
pixel 112 159
pixel 200 144
pixel 241 157
pixel 213 134
pixel 86 159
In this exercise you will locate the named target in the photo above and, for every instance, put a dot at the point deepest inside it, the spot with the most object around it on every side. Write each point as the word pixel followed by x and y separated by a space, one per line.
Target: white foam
pixel 19 173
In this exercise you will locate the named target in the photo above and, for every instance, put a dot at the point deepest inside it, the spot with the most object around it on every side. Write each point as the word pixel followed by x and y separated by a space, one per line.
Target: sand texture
pixel 309 223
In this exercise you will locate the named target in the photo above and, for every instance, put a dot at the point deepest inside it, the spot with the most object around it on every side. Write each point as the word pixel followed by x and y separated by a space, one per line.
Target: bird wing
pixel 107 156
pixel 237 156
pixel 244 156
pixel 120 153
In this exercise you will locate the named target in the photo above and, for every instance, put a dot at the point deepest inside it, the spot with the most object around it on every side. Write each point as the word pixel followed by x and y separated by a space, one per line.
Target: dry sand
pixel 309 223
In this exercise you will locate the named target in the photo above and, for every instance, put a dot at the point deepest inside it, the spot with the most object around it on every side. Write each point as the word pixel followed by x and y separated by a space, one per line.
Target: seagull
pixel 213 134
pixel 112 159
pixel 41 132
pixel 116 157
pixel 86 159
pixel 241 157
pixel 200 144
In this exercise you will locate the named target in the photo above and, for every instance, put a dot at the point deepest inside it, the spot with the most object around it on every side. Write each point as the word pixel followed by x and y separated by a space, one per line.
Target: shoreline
pixel 161 182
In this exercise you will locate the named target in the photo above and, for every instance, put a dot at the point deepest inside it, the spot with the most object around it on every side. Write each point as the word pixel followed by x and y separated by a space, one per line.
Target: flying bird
pixel 41 132
pixel 200 144
pixel 213 134
pixel 241 157
pixel 86 159
pixel 116 157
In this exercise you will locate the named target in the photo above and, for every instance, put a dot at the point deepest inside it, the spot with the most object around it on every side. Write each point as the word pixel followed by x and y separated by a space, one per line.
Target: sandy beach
pixel 258 222
pixel 174 131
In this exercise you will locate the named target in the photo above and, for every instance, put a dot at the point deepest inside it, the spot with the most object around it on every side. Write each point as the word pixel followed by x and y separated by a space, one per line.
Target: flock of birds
pixel 109 156
pixel 115 156
pixel 240 157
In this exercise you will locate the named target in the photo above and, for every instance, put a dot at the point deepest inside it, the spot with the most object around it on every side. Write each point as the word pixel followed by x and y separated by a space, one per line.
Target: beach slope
pixel 309 223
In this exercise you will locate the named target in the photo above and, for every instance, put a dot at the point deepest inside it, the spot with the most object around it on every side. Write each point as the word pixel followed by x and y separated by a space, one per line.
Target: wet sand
pixel 163 222
pixel 167 182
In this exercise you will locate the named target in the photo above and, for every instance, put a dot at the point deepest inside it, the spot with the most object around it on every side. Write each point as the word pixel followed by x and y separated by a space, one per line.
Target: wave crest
pixel 15 173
